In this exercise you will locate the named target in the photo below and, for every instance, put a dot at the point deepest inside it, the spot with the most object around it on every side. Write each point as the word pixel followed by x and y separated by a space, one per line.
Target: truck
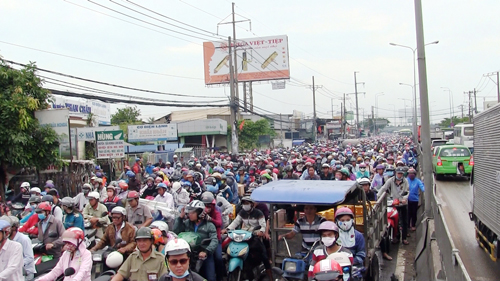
pixel 485 180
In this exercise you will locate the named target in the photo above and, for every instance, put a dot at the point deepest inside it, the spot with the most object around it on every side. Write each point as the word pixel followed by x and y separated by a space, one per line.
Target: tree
pixel 25 143
pixel 127 115
pixel 445 123
pixel 248 136
pixel 368 123
pixel 151 120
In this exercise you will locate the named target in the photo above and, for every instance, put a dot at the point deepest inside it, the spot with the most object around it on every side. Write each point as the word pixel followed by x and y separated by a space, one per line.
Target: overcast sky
pixel 327 39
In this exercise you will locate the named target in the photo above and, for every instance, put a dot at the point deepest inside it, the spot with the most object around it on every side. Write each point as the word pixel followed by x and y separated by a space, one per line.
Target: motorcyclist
pixel 35 191
pixel 363 172
pixel 242 177
pixel 168 169
pixel 145 263
pixel 181 196
pixel 75 256
pixel 166 234
pixel 15 235
pixel 137 215
pixel 177 258
pixel 329 232
pixel 325 172
pixel 96 213
pixel 149 188
pixel 112 200
pixel 99 188
pixel 378 179
pixel 133 183
pixel 122 192
pixel 213 214
pixel 365 184
pixel 397 187
pixel 289 174
pixel 307 226
pixel 164 196
pixel 11 257
pixel 311 174
pixel 250 218
pixel 24 195
pixel 48 224
pixel 118 229
pixel 30 226
pixel 81 199
pixel 327 270
pixel 72 217
pixel 225 207
pixel 197 221
pixel 56 211
pixel 349 237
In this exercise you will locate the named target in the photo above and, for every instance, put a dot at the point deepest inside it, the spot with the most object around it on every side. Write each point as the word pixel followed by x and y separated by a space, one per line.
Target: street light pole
pixel 376 100
pixel 394 113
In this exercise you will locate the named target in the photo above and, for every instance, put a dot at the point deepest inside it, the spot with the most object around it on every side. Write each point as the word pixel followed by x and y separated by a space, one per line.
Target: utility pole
pixel 234 107
pixel 374 123
pixel 345 117
pixel 462 108
pixel 281 130
pixel 469 101
pixel 235 66
pixel 357 110
pixel 498 82
pixel 475 101
pixel 342 119
pixel 251 96
pixel 314 110
pixel 332 108
pixel 245 108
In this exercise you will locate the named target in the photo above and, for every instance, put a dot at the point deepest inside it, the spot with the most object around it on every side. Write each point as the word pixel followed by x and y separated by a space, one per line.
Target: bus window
pixel 469 131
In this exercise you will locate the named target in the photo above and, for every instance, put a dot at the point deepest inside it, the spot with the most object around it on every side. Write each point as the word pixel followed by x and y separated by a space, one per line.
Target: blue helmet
pixel 161 185
pixel 4 224
pixel 130 174
pixel 212 188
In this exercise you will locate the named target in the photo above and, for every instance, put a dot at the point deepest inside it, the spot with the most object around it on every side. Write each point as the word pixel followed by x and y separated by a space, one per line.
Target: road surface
pixel 455 196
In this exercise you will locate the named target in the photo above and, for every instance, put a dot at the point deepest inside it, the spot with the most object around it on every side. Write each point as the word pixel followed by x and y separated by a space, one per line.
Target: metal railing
pixel 451 261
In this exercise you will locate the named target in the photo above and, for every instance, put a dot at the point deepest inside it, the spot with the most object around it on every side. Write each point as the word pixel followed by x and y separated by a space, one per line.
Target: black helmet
pixel 210 181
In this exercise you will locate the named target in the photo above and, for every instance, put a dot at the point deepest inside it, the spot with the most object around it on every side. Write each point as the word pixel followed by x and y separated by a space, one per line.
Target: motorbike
pixel 297 267
pixel 349 272
pixel 412 162
pixel 197 245
pixel 43 262
pixel 90 239
pixel 16 209
pixel 100 266
pixel 392 218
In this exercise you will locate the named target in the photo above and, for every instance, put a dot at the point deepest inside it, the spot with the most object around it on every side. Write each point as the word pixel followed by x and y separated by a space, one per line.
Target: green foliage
pixel 456 120
pixel 25 143
pixel 151 120
pixel 368 123
pixel 127 115
pixel 248 138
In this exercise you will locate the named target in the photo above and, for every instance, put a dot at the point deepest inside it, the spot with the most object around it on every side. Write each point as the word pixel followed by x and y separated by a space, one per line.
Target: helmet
pixel 67 201
pixel 230 181
pixel 12 220
pixel 119 210
pixel 25 185
pixel 248 199
pixel 380 167
pixel 217 175
pixel 73 235
pixel 44 206
pixel 114 259
pixel 327 270
pixel 114 183
pixel 363 181
pixel 177 246
pixel 150 179
pixel 400 170
pixel 210 181
pixel 288 169
pixel 212 188
pixel 35 199
pixel 48 198
pixel 362 165
pixel 412 171
pixel 390 168
pixel 144 232
pixel 123 185
pixel 86 186
pixel 35 190
pixel 175 186
pixel 161 225
pixel 344 211
pixel 158 237
pixel 111 187
pixel 207 197
pixel 195 205
pixel 328 225
pixel 345 172
pixel 161 185
pixel 4 224
pixel 94 195
pixel 132 195
pixel 130 174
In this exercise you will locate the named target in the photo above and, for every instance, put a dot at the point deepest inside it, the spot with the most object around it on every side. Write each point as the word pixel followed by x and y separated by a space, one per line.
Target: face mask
pixel 390 174
pixel 345 225
pixel 338 177
pixel 186 273
pixel 399 178
pixel 33 206
pixel 328 241
pixel 411 176
pixel 362 169
pixel 96 185
pixel 246 207
pixel 150 184
pixel 41 217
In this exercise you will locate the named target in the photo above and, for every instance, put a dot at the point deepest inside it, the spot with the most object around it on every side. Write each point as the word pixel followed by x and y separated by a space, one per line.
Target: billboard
pixel 258 59
pixel 110 144
pixel 58 120
pixel 152 132
pixel 88 133
pixel 82 108
pixel 203 127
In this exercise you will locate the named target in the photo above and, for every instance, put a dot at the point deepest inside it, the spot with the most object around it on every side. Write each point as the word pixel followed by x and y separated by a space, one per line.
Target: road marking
pixel 400 264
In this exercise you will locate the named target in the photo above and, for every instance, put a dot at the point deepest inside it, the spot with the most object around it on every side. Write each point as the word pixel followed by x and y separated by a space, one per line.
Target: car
pixel 438 142
pixel 452 160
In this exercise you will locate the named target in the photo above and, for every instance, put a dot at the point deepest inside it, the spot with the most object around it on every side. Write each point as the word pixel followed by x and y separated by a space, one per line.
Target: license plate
pixel 455 164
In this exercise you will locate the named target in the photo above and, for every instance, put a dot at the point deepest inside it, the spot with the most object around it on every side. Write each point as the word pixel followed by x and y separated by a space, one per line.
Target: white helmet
pixel 161 225
pixel 114 260
pixel 93 195
pixel 25 184
pixel 35 190
pixel 119 210
pixel 175 186
pixel 362 181
pixel 177 246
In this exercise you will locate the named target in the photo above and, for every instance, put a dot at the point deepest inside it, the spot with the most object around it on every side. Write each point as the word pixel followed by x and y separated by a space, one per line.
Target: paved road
pixel 455 196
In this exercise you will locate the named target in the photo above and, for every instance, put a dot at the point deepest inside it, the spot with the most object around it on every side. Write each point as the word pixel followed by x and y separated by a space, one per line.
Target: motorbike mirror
pixel 53 235
pixel 118 241
pixel 104 214
pixel 219 204
pixel 69 271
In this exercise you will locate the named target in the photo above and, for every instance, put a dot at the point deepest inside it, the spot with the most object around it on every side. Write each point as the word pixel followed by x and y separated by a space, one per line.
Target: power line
pixel 108 84
pixel 102 63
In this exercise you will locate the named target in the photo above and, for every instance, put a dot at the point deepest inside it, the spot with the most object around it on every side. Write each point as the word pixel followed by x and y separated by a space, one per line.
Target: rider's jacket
pixel 81 262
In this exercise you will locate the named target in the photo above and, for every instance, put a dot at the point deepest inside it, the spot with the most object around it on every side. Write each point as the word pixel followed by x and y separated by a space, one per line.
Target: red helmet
pixel 133 195
pixel 327 270
pixel 123 185
pixel 276 171
pixel 344 211
pixel 158 236
pixel 74 235
pixel 44 206
pixel 263 172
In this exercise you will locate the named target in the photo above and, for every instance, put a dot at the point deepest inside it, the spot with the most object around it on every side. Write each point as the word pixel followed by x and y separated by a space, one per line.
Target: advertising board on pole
pixel 88 133
pixel 83 107
pixel 152 132
pixel 258 59
pixel 110 144
pixel 58 120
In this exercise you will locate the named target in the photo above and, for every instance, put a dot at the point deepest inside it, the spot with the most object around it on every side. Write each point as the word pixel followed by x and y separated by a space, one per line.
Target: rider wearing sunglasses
pixel 177 257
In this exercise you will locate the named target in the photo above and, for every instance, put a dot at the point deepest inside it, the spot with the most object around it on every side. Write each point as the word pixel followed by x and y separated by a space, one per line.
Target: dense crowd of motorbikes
pixel 195 219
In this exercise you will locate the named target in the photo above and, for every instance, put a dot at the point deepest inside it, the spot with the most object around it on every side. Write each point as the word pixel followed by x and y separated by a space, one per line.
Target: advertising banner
pixel 57 119
pixel 203 127
pixel 152 132
pixel 82 108
pixel 258 59
pixel 88 134
pixel 110 144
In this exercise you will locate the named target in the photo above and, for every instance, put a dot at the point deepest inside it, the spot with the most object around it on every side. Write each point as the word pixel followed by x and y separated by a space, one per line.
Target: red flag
pixel 241 125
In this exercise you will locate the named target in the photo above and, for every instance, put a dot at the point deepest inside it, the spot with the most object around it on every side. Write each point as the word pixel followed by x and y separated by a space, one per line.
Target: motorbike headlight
pixel 97 257
pixel 238 237
pixel 290 266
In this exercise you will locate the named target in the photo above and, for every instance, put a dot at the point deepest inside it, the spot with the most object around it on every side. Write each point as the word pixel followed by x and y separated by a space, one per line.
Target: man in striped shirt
pixel 307 226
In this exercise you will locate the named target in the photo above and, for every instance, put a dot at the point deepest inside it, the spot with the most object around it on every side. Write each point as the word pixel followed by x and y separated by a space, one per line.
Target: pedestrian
pixel 416 185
